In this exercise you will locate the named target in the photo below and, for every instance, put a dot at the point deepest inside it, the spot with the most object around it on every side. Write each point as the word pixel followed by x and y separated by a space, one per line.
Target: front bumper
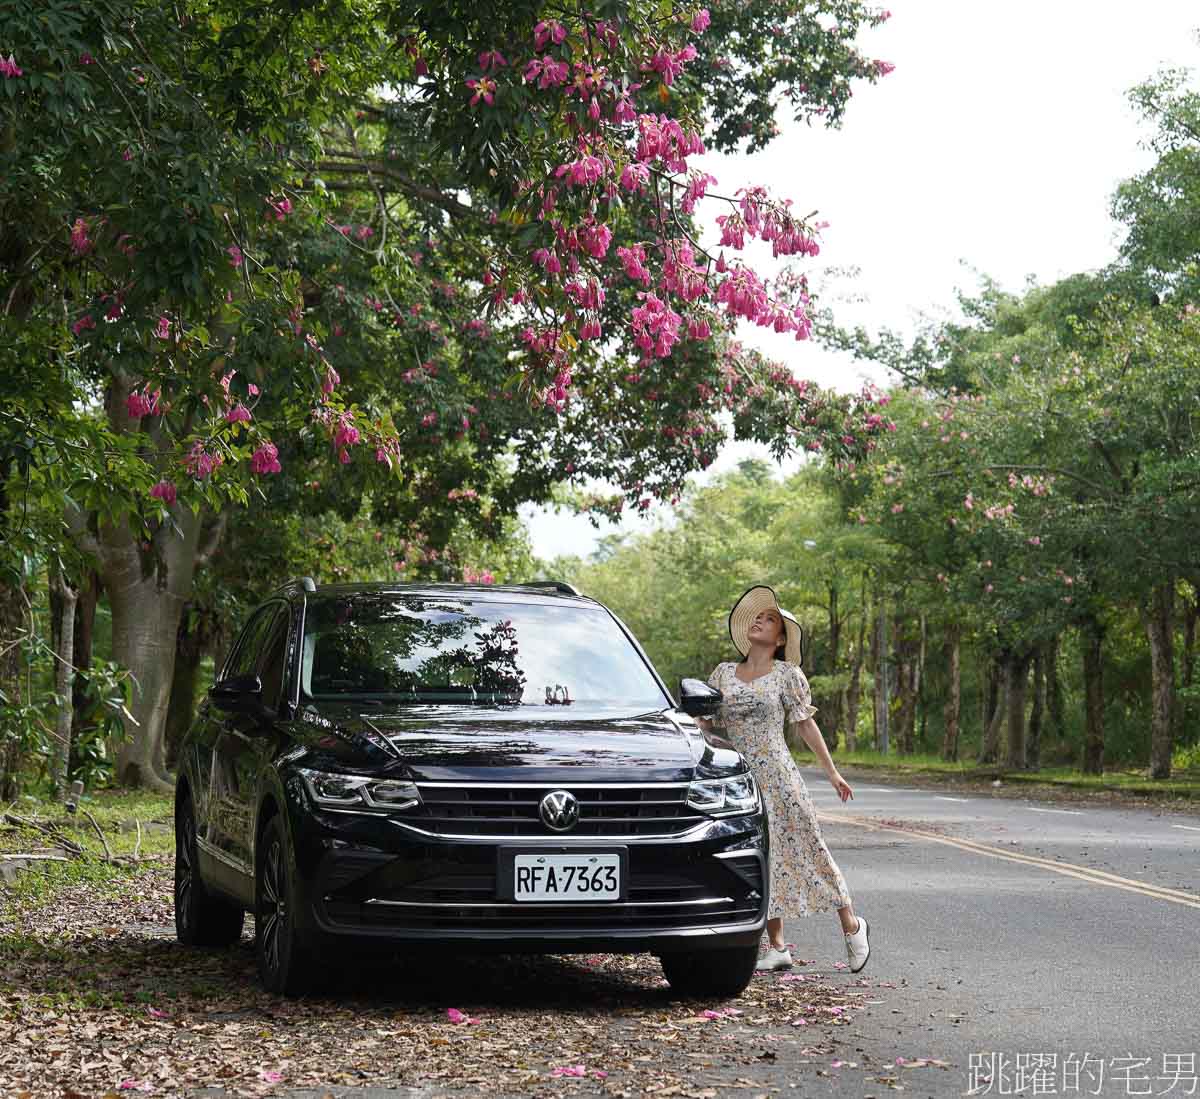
pixel 387 881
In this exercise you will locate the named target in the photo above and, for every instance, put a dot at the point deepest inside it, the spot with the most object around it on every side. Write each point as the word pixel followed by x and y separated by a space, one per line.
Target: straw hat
pixel 747 608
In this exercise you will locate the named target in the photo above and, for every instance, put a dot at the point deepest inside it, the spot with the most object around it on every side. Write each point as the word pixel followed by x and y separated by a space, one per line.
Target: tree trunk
pixel 1091 640
pixel 192 644
pixel 1033 746
pixel 12 622
pixel 834 720
pixel 65 596
pixel 952 652
pixel 1159 618
pixel 1017 683
pixel 85 625
pixel 1054 692
pixel 1190 615
pixel 854 692
pixel 989 749
pixel 907 683
pixel 148 584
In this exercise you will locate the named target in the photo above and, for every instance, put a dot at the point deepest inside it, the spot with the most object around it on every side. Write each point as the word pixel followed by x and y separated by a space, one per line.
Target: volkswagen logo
pixel 559 810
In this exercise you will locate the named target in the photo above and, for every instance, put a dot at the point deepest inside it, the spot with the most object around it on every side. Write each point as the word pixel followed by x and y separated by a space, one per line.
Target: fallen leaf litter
pixel 100 1000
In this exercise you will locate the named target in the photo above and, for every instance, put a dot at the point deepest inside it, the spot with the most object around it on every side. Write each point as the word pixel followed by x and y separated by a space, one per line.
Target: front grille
pixel 608 811
pixel 665 889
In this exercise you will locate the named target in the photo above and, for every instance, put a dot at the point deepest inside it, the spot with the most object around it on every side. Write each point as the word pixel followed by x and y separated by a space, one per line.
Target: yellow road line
pixel 1069 870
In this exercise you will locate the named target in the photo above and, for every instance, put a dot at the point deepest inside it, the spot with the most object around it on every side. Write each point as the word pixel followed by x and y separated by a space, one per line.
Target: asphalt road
pixel 1013 929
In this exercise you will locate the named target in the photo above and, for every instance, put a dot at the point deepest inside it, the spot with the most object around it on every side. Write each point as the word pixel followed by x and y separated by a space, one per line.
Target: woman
pixel 762 693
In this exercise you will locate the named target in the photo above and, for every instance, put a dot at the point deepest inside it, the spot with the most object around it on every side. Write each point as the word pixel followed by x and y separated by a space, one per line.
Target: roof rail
pixel 557 585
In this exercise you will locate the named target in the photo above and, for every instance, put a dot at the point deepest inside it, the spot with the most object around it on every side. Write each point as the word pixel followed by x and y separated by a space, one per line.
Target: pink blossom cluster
pixel 164 491
pixel 200 463
pixel 587 294
pixel 280 208
pixel 582 172
pixel 655 325
pixel 265 459
pixel 1039 486
pixel 633 260
pixel 999 511
pixel 345 435
pixel 141 402
pixel 669 65
pixel 81 243
pixel 681 275
pixel 86 322
pixel 700 21
pixel 239 413
pixel 483 576
pixel 662 138
pixel 462 494
pixel 9 67
pixel 546 72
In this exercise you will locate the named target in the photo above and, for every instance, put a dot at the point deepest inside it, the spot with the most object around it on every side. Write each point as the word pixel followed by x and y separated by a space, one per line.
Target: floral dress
pixel 804 877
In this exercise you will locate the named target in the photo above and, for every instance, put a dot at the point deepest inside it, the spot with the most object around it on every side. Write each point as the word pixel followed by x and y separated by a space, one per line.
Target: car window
pixel 274 656
pixel 245 655
pixel 435 650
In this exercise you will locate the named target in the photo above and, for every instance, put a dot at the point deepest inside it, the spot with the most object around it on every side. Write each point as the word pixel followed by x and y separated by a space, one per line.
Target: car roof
pixel 483 593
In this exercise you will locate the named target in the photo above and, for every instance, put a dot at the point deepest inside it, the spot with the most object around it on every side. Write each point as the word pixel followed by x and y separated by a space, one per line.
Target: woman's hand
pixel 841 786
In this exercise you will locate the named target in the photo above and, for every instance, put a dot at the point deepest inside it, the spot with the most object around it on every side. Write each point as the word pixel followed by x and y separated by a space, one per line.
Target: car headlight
pixel 359 793
pixel 724 797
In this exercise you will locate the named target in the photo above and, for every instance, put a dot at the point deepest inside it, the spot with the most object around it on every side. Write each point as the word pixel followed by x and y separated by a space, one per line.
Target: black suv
pixel 475 767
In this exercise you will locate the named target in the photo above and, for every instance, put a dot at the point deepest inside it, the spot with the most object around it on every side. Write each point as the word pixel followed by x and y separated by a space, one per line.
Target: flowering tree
pixel 450 252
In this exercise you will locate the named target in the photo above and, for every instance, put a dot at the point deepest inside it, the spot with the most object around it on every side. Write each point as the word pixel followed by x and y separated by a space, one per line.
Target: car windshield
pixel 425 649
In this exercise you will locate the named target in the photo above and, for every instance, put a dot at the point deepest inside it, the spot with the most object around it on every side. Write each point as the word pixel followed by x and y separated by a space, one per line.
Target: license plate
pixel 595 877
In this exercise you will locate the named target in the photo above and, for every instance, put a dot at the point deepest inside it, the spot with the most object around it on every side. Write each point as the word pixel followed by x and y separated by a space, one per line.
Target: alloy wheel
pixel 273 912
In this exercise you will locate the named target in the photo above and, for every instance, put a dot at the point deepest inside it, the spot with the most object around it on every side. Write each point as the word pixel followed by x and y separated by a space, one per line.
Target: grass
pixel 1184 784
pixel 115 813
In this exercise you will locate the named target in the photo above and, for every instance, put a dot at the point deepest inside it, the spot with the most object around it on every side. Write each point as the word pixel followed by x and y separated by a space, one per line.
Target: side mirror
pixel 697 698
pixel 238 694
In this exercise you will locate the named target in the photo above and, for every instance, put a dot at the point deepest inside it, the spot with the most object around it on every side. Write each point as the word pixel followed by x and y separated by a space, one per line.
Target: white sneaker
pixel 858 947
pixel 774 959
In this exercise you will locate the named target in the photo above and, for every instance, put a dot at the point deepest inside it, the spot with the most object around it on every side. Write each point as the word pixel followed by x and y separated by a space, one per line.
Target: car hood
pixel 513 744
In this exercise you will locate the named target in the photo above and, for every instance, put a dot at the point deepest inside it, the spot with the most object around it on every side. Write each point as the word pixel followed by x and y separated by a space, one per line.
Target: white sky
pixel 996 144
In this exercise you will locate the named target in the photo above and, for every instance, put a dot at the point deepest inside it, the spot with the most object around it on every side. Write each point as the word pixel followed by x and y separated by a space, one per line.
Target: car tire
pixel 710 974
pixel 281 949
pixel 201 919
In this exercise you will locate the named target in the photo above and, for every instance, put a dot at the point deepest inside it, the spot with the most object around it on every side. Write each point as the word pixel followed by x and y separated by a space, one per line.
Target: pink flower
pixel 331 379
pixel 456 1016
pixel 969 502
pixel 491 59
pixel 235 255
pixel 548 32
pixel 164 491
pixel 570 1070
pixel 265 460
pixel 582 172
pixel 142 402
pixel 655 326
pixel 238 414
pixel 252 389
pixel 882 68
pixel 896 510
pixel 365 232
pixel 484 88
pixel 700 21
pixel 199 463
pixel 80 242
pixel 163 330
pixel 10 68
pixel 83 324
pixel 347 434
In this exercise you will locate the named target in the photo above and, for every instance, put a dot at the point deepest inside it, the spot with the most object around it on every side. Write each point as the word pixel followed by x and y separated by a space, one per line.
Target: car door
pixel 233 770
